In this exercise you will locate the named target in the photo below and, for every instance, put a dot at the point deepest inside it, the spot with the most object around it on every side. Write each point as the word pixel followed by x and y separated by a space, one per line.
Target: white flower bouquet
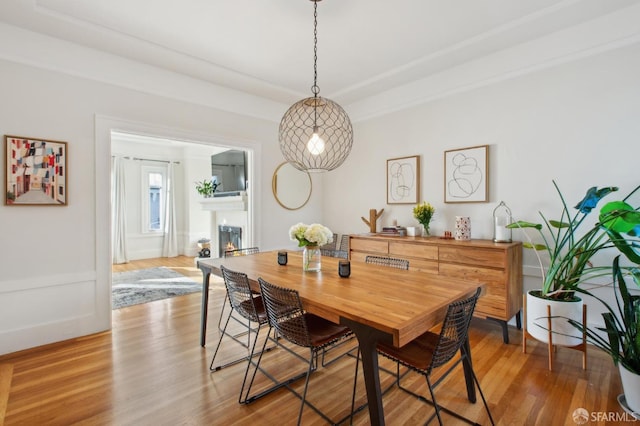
pixel 310 235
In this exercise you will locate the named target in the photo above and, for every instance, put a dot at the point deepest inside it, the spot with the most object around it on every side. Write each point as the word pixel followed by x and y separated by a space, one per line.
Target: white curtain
pixel 170 242
pixel 118 211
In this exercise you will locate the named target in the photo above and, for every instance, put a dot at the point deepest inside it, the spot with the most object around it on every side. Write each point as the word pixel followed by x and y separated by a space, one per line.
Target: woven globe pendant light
pixel 315 133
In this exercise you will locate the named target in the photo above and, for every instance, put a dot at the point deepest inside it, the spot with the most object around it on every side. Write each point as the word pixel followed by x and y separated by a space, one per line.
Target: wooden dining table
pixel 378 303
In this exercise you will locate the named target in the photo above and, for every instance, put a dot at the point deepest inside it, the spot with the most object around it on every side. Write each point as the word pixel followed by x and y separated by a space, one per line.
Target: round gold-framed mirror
pixel 291 187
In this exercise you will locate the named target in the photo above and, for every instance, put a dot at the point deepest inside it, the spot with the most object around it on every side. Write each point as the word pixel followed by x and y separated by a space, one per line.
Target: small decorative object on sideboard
pixel 447 236
pixel 501 219
pixel 463 228
pixel 394 230
pixel 373 218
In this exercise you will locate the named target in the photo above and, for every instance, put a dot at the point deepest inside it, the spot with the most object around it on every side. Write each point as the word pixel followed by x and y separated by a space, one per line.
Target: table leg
pixel 368 339
pixel 206 273
pixel 468 371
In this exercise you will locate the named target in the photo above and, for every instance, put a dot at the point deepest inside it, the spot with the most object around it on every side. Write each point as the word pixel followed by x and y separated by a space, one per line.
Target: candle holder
pixel 282 258
pixel 344 268
pixel 501 218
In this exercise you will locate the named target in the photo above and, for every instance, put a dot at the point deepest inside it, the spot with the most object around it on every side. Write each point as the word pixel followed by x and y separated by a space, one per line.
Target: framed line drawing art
pixel 35 172
pixel 403 180
pixel 466 175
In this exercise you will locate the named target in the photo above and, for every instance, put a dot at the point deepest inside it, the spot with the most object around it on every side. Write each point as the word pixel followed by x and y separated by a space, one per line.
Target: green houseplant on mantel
pixel 206 188
pixel 569 254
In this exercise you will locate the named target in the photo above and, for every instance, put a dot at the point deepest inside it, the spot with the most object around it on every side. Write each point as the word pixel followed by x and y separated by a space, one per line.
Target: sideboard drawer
pixel 372 246
pixel 473 256
pixel 423 251
pixel 477 274
pixel 423 265
pixel 359 256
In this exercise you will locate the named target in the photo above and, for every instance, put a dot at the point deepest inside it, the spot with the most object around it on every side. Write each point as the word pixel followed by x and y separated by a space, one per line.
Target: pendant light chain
pixel 315 89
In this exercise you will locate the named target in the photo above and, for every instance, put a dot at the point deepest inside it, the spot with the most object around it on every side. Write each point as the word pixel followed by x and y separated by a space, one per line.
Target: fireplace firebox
pixel 229 238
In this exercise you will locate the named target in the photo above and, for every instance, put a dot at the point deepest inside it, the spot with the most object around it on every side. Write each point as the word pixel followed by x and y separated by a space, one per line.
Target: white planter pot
pixel 564 334
pixel 631 388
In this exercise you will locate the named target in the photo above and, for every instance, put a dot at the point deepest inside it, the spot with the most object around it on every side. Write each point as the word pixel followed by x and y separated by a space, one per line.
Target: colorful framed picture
pixel 403 180
pixel 36 172
pixel 466 175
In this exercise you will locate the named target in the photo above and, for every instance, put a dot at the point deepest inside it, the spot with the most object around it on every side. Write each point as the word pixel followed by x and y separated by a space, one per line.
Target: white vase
pixel 631 388
pixel 311 259
pixel 564 334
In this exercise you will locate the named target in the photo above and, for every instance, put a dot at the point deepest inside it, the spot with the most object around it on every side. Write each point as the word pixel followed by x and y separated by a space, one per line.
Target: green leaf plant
pixel 621 325
pixel 569 251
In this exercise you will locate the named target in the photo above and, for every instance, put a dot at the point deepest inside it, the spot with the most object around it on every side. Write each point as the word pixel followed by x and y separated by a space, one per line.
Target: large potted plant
pixel 620 336
pixel 569 251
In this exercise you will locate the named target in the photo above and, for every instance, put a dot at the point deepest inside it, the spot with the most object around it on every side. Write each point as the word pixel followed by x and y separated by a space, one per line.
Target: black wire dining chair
pixel 290 321
pixel 250 307
pixel 432 350
pixel 388 261
pixel 241 251
pixel 231 253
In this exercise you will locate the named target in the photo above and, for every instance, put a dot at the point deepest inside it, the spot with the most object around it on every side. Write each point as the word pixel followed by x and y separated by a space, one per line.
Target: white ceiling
pixel 265 47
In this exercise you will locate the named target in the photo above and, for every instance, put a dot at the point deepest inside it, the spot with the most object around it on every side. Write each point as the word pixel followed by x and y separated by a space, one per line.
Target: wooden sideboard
pixel 497 265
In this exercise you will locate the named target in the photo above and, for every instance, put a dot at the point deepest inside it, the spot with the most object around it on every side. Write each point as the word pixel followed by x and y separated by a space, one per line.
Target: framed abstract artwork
pixel 403 180
pixel 36 172
pixel 466 175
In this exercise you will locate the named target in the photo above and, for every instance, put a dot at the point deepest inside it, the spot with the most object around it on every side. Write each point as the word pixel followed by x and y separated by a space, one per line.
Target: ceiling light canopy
pixel 315 133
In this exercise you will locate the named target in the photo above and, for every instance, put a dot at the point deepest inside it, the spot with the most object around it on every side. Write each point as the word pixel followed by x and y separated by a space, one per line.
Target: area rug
pixel 146 285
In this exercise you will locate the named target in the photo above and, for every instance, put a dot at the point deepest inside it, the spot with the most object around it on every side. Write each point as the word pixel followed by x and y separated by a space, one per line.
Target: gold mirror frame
pixel 292 181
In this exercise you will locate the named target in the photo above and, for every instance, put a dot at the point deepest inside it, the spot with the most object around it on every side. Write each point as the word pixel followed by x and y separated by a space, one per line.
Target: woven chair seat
pixel 246 309
pixel 323 332
pixel 417 353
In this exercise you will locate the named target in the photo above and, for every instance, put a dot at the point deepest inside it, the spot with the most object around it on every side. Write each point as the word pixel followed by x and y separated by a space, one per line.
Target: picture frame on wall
pixel 466 175
pixel 35 172
pixel 403 180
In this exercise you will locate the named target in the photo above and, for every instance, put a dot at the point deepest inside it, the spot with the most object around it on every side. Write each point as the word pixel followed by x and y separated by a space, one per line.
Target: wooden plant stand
pixel 582 347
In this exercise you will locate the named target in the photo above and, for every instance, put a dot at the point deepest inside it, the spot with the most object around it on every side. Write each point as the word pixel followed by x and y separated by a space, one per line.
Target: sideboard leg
pixel 505 329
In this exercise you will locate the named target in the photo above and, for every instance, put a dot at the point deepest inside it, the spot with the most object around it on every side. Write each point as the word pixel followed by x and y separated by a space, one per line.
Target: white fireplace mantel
pixel 230 202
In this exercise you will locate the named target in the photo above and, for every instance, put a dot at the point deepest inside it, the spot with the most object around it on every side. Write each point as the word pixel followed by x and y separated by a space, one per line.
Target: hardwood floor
pixel 151 370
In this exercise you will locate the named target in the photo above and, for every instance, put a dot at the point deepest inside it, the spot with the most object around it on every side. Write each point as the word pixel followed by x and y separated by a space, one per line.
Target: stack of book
pixel 399 231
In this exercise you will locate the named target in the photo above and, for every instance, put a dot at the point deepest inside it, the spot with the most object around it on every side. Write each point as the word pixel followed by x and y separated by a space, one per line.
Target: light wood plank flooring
pixel 151 370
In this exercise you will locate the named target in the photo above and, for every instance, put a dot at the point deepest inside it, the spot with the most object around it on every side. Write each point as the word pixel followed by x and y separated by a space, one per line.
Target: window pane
pixel 155 180
pixel 155 201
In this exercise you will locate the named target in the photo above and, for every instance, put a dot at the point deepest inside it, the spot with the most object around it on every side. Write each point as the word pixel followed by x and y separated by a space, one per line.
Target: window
pixel 154 193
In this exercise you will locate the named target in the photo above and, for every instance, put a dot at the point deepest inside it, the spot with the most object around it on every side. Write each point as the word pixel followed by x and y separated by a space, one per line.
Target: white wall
pixel 577 123
pixel 53 286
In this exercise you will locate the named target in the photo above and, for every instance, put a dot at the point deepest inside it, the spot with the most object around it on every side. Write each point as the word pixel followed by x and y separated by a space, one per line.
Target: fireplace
pixel 229 238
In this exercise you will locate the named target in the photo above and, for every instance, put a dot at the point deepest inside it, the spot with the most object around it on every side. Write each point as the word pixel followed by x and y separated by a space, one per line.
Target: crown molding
pixel 609 32
pixel 34 49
